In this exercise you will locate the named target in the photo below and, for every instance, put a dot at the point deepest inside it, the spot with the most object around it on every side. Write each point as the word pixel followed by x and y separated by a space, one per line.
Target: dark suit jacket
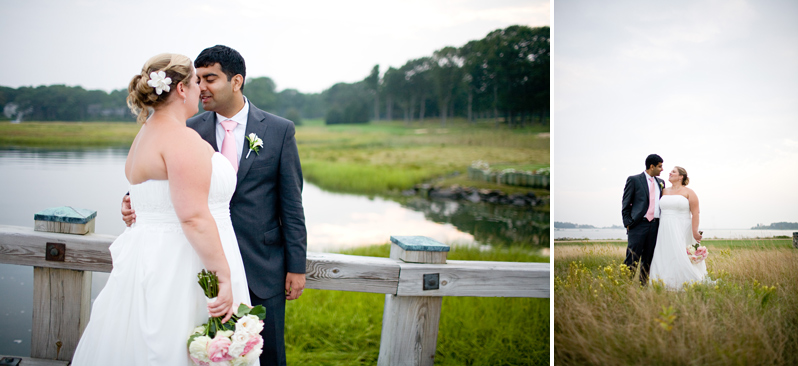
pixel 266 208
pixel 635 199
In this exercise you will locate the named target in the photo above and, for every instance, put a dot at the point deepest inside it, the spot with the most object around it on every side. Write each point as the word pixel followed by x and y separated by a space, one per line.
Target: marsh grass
pixel 390 156
pixel 61 135
pixel 381 157
pixel 343 328
pixel 749 317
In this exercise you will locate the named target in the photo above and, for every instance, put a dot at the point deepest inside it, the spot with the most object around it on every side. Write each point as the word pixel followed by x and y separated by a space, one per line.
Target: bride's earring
pixel 184 100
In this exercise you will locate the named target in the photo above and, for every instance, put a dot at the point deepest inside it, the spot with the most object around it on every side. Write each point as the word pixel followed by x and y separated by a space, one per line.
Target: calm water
pixel 32 180
pixel 609 234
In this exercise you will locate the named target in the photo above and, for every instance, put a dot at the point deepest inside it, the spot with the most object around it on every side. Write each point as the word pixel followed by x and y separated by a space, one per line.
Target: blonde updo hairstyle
pixel 142 98
pixel 683 173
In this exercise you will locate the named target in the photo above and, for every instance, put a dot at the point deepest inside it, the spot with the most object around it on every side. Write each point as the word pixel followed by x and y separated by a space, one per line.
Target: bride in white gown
pixel 678 226
pixel 181 191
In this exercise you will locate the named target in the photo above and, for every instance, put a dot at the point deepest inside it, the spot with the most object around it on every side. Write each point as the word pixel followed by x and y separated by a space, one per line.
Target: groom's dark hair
pixel 228 59
pixel 653 159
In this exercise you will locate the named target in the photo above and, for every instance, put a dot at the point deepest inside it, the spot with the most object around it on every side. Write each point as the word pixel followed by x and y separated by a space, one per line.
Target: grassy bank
pixel 390 156
pixel 749 317
pixel 343 328
pixel 376 158
pixel 67 135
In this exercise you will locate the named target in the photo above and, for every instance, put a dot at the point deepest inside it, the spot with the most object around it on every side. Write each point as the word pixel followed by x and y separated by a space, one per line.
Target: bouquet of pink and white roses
pixel 234 343
pixel 697 253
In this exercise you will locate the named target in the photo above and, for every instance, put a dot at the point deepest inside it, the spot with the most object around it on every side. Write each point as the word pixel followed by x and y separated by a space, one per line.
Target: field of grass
pixel 67 135
pixel 748 317
pixel 381 157
pixel 391 156
pixel 343 328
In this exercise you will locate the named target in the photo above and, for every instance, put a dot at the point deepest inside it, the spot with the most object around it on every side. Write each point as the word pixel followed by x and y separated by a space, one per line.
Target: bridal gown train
pixel 152 302
pixel 670 262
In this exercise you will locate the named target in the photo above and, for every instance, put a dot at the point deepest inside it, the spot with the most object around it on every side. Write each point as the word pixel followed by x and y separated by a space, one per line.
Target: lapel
pixel 661 184
pixel 255 124
pixel 207 129
pixel 645 186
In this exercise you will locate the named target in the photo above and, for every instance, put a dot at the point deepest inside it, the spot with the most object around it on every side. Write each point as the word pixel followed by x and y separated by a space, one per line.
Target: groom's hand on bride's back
pixel 128 214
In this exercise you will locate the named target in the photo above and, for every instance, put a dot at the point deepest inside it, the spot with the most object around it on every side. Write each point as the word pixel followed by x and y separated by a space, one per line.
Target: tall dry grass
pixel 749 317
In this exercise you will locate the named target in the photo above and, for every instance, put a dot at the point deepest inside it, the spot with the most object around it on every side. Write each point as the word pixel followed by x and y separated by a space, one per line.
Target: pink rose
pixel 256 341
pixel 702 251
pixel 217 350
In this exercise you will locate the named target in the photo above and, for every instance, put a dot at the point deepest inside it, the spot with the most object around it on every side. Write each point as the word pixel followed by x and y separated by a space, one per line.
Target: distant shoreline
pixel 620 228
pixel 574 240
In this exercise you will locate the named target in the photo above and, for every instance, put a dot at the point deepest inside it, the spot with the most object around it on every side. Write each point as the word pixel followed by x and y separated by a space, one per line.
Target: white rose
pixel 257 322
pixel 241 336
pixel 249 359
pixel 223 363
pixel 250 324
pixel 224 333
pixel 198 330
pixel 199 348
pixel 236 348
pixel 253 355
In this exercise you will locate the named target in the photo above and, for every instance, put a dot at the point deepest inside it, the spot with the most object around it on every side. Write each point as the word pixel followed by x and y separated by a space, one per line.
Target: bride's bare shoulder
pixel 186 141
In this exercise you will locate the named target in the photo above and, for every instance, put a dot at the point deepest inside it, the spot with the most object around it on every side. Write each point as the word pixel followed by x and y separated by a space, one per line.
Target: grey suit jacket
pixel 636 198
pixel 266 208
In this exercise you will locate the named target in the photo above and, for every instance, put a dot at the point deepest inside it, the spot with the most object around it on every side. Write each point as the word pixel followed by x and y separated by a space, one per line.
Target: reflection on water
pixel 336 221
pixel 488 223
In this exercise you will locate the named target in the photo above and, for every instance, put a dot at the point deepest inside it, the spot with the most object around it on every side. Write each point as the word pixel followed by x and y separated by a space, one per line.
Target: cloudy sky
pixel 708 85
pixel 305 45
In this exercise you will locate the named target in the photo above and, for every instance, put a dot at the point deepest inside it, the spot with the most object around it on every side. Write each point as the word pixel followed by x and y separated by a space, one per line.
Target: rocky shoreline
pixel 475 195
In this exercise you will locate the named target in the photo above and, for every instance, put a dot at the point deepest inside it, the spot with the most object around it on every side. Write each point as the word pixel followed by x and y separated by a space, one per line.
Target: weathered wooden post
pixel 61 297
pixel 410 323
pixel 795 239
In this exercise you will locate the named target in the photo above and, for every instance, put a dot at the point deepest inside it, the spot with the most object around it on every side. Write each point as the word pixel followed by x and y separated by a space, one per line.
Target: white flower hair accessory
pixel 159 81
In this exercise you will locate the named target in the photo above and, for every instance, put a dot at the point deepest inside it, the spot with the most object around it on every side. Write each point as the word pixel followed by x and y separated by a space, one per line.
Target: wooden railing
pixel 414 281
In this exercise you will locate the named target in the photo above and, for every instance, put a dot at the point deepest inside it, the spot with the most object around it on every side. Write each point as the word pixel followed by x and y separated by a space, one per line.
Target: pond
pixel 34 179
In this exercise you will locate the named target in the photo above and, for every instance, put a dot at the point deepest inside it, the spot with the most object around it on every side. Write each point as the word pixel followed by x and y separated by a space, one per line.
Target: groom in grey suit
pixel 266 208
pixel 640 214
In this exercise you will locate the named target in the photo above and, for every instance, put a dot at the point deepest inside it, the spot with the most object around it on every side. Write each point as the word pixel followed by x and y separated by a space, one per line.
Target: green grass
pixel 710 243
pixel 390 156
pixel 602 316
pixel 343 328
pixel 65 135
pixel 382 157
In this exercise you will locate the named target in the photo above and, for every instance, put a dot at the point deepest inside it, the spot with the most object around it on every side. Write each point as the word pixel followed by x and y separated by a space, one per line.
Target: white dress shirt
pixel 656 198
pixel 238 132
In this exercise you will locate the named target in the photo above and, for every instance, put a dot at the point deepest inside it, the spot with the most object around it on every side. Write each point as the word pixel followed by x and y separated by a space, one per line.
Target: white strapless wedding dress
pixel 152 301
pixel 671 263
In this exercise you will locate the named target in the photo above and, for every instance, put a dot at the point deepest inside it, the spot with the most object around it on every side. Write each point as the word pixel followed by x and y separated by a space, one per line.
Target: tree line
pixel 503 76
pixel 73 103
pixel 777 226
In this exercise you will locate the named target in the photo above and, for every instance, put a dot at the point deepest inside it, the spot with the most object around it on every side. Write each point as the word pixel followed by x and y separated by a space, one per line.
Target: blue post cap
pixel 66 214
pixel 419 243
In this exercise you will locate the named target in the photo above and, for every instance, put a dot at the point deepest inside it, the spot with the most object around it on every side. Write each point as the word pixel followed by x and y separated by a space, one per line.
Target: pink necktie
pixel 651 193
pixel 229 142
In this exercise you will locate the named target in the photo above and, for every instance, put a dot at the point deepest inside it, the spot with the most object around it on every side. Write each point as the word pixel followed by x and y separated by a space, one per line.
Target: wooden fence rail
pixel 413 288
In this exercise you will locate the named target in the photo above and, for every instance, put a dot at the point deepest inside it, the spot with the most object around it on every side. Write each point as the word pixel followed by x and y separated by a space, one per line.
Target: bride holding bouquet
pixel 181 191
pixel 673 262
